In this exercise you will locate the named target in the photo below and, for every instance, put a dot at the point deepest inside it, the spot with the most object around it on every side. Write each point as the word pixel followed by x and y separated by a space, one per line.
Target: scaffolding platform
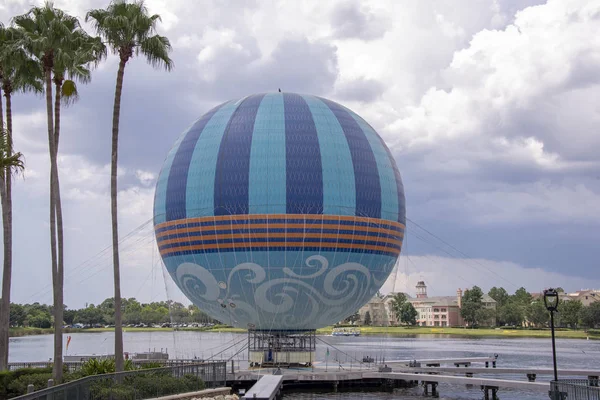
pixel 281 348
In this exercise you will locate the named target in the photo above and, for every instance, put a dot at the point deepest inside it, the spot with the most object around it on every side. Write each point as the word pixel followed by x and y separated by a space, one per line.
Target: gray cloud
pixel 497 147
pixel 351 21
pixel 365 90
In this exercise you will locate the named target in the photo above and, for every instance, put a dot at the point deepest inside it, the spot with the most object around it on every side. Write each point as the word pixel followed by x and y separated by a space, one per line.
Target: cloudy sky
pixel 489 106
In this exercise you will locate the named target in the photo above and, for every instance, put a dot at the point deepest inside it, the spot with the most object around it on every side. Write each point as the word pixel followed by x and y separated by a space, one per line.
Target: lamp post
pixel 551 303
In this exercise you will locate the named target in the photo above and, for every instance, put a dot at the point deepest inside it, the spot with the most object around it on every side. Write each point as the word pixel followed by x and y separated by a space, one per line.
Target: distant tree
pixel 485 316
pixel 471 304
pixel 367 318
pixel 397 303
pixel 569 312
pixel 408 314
pixel 560 290
pixel 590 315
pixel 90 315
pixel 512 313
pixel 522 296
pixel 69 316
pixel 500 295
pixel 353 318
pixel 537 314
pixel 40 320
pixel 18 315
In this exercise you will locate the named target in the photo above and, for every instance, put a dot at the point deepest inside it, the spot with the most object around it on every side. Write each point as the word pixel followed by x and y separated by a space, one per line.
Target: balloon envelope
pixel 279 211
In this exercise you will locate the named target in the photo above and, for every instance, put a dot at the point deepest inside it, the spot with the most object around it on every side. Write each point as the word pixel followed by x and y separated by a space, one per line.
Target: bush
pixel 8 387
pixel 19 385
pixel 145 385
pixel 110 391
pixel 94 366
pixel 150 365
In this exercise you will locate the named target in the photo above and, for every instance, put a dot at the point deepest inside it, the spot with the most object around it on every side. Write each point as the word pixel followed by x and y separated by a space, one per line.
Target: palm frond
pixel 9 163
pixel 19 71
pixel 156 50
pixel 127 28
pixel 69 93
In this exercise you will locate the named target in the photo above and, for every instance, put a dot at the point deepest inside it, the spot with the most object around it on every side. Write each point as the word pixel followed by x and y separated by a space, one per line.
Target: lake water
pixel 513 352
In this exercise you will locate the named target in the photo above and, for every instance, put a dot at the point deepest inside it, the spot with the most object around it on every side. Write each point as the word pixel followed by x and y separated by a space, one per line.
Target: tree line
pixel 47 51
pixel 523 309
pixel 38 315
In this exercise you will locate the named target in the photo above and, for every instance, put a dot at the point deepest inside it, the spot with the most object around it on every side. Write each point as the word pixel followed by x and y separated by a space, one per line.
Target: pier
pixel 428 373
pixel 268 387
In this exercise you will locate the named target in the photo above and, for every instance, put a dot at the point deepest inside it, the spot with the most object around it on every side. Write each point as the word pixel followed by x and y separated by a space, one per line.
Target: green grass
pixel 364 330
pixel 492 332
pixel 28 331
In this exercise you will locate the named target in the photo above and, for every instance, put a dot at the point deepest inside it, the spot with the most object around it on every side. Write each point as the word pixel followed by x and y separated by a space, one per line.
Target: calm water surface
pixel 513 352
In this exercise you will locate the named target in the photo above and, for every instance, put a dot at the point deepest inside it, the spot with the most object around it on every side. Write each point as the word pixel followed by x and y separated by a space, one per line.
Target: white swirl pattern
pixel 279 298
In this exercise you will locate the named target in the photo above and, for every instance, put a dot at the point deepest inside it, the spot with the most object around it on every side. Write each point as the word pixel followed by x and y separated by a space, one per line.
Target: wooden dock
pixel 529 373
pixel 268 387
pixel 290 376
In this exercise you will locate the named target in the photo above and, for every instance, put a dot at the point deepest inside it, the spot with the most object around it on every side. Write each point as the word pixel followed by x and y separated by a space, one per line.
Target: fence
pixel 574 389
pixel 138 384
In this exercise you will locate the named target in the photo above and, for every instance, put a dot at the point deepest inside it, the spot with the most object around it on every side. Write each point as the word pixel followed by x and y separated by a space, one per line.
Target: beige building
pixel 378 310
pixel 585 296
pixel 432 311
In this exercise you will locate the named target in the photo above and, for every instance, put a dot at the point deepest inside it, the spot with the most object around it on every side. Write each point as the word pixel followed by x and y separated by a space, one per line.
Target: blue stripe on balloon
pixel 304 175
pixel 366 177
pixel 233 161
pixel 176 185
pixel 385 167
pixel 338 181
pixel 267 158
pixel 160 195
pixel 203 165
pixel 397 177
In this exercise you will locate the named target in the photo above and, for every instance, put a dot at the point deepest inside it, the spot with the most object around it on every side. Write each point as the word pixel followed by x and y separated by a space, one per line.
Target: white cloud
pixel 492 117
pixel 444 275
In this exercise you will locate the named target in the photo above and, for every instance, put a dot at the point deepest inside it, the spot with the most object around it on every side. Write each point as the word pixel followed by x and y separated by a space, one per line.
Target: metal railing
pixel 76 365
pixel 574 389
pixel 138 384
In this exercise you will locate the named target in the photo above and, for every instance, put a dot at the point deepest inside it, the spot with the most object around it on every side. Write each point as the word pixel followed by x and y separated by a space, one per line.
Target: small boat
pixel 345 332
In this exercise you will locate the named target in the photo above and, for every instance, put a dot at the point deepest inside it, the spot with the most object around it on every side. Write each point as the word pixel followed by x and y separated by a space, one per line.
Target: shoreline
pixel 365 330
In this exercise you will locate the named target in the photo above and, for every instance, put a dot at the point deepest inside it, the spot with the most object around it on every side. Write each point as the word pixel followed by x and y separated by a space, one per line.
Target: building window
pixel 443 316
pixel 443 323
pixel 443 310
pixel 436 310
pixel 437 323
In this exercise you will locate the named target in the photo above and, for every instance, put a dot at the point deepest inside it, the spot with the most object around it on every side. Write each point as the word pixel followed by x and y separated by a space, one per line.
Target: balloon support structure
pixel 281 348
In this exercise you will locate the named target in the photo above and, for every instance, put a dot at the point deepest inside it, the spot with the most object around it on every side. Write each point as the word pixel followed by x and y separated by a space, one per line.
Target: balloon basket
pixel 281 348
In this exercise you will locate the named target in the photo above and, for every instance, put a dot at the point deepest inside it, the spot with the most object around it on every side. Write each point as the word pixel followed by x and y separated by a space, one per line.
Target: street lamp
pixel 551 303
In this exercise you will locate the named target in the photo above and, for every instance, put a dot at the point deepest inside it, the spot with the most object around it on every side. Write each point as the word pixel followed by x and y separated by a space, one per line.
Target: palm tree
pixel 19 73
pixel 10 164
pixel 52 37
pixel 128 29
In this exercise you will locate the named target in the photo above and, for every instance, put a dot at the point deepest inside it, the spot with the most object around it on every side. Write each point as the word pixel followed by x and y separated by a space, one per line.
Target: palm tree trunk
pixel 59 295
pixel 119 363
pixel 7 232
pixel 4 328
pixel 1 110
pixel 5 306
pixel 56 287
